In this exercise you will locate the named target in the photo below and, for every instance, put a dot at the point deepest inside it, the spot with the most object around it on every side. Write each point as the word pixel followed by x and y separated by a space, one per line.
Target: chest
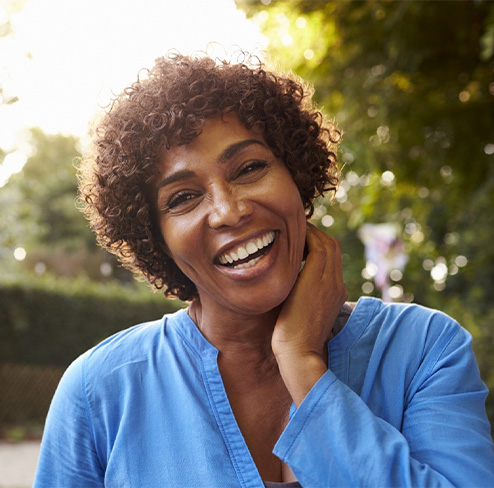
pixel 262 414
pixel 180 429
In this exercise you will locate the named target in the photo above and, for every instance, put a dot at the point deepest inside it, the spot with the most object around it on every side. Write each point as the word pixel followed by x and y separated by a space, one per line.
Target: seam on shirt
pixel 87 409
pixel 307 416
pixel 370 318
pixel 430 369
pixel 441 352
pixel 187 343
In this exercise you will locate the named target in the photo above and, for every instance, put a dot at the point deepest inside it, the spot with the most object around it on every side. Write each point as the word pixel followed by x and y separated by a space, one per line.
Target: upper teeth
pixel 251 247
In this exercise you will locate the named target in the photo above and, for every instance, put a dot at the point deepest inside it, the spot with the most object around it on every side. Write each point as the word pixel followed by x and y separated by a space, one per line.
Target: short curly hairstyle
pixel 168 106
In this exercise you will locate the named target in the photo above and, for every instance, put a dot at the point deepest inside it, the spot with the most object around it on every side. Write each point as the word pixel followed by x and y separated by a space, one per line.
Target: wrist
pixel 300 373
pixel 299 354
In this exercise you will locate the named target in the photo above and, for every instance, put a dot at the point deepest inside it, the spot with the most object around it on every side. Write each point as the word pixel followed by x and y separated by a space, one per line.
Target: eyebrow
pixel 235 148
pixel 226 155
pixel 179 175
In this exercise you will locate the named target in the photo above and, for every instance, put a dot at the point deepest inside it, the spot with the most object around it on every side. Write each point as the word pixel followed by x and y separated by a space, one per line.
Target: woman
pixel 202 180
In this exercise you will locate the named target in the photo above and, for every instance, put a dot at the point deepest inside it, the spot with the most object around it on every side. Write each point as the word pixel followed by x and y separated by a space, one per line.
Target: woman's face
pixel 231 217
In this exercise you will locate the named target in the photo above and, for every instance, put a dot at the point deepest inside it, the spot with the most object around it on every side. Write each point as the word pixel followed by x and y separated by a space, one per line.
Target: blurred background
pixel 411 84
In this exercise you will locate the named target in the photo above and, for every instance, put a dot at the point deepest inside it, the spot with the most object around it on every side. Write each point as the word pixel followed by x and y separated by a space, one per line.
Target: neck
pixel 240 337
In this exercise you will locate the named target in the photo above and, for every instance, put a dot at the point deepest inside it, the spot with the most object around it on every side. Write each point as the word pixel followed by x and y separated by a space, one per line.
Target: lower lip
pixel 262 266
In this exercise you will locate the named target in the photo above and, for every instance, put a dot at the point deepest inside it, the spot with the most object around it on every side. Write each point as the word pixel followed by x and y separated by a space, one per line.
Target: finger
pixel 329 260
pixel 324 248
pixel 317 254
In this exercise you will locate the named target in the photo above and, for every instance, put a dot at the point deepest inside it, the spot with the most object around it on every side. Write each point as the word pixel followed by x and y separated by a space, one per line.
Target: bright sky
pixel 65 57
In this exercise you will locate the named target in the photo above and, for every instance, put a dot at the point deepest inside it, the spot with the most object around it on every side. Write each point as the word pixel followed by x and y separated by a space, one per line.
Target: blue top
pixel 401 405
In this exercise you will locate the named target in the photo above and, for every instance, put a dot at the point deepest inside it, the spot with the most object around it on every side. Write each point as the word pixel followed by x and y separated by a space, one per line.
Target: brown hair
pixel 167 107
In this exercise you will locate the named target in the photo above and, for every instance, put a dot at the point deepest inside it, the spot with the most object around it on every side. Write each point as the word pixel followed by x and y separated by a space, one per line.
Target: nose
pixel 228 208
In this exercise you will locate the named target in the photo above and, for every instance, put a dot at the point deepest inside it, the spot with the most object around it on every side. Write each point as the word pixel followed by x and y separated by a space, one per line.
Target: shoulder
pixel 408 321
pixel 126 344
pixel 407 346
pixel 401 336
pixel 137 344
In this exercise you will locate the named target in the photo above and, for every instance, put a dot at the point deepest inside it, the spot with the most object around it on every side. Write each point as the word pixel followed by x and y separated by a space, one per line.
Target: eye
pixel 179 199
pixel 252 167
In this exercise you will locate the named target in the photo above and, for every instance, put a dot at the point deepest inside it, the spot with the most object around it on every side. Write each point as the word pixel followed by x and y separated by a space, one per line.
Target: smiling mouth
pixel 249 254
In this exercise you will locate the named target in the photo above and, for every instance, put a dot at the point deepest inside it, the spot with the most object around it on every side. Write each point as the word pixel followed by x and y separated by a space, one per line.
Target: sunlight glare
pixel 65 59
pixel 12 163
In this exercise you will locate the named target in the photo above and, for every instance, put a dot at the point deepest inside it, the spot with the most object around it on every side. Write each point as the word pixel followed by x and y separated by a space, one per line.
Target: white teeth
pixel 248 264
pixel 242 253
pixel 249 248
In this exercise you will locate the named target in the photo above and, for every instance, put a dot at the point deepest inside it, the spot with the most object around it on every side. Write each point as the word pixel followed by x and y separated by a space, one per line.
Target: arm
pixel 334 439
pixel 68 457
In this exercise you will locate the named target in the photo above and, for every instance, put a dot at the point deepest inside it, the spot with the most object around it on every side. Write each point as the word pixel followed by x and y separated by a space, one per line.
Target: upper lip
pixel 233 245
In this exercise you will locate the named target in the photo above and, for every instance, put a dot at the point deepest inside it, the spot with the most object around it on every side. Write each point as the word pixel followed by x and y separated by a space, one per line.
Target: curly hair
pixel 168 106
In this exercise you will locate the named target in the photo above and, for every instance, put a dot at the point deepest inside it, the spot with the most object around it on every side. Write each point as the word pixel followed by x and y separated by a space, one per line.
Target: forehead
pixel 218 134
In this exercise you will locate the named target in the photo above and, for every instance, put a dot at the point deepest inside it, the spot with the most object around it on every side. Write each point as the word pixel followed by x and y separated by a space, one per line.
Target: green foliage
pixel 50 321
pixel 43 194
pixel 40 215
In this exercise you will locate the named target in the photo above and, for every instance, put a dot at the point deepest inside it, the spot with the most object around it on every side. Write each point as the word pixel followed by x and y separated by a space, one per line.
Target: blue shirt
pixel 401 405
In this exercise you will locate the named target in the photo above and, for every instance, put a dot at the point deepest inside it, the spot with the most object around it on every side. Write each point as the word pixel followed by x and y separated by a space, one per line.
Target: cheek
pixel 186 246
pixel 163 242
pixel 175 239
pixel 290 205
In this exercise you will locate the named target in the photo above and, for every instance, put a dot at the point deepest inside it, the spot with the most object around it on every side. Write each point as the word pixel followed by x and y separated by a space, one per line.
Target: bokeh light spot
pixel 327 221
pixel 20 254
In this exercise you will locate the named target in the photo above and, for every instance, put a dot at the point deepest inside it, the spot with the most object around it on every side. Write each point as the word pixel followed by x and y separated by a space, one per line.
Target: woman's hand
pixel 308 314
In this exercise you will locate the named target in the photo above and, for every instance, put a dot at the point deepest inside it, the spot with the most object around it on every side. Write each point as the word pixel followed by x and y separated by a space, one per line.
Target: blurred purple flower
pixel 385 249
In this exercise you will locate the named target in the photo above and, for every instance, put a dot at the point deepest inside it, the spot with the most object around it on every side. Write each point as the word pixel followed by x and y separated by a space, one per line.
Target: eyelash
pixel 252 166
pixel 178 199
pixel 183 196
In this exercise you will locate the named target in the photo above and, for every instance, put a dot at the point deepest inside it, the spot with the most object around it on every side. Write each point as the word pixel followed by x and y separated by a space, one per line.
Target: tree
pixel 40 213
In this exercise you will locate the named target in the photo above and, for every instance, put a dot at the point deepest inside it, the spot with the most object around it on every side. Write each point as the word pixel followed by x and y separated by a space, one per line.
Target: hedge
pixel 51 321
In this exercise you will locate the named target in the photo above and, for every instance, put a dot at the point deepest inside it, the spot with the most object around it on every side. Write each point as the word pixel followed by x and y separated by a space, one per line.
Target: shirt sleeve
pixel 334 439
pixel 68 457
